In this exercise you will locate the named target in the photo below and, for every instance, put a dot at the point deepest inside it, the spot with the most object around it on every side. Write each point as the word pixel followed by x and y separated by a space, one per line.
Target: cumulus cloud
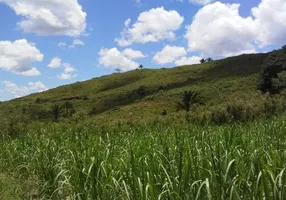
pixel 53 17
pixel 133 54
pixel 188 60
pixel 151 26
pixel 200 2
pixel 270 16
pixel 169 54
pixel 17 57
pixel 218 30
pixel 56 62
pixel 20 91
pixel 69 71
pixel 113 58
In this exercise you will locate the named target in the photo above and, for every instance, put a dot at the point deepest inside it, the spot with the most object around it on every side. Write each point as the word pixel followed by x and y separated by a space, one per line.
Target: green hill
pixel 145 94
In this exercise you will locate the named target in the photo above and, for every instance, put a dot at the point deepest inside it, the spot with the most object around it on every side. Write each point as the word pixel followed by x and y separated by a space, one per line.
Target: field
pixel 183 161
pixel 209 131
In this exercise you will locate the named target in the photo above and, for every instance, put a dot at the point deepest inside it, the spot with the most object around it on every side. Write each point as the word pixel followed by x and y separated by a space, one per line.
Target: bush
pixel 219 115
pixel 13 126
pixel 272 77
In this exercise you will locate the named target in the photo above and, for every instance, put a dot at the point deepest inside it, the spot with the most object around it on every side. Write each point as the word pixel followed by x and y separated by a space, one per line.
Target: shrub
pixel 219 115
pixel 272 77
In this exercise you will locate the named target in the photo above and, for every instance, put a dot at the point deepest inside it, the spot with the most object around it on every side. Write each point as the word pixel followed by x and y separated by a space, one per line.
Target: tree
pixel 141 91
pixel 56 111
pixel 68 108
pixel 141 67
pixel 118 70
pixel 272 74
pixel 209 59
pixel 188 99
pixel 284 48
pixel 202 60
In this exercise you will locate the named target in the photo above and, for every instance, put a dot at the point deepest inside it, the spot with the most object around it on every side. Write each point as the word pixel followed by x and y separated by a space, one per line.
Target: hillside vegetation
pixel 145 94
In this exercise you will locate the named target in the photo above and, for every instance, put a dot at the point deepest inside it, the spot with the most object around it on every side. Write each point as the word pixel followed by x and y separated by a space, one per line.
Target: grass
pixel 239 161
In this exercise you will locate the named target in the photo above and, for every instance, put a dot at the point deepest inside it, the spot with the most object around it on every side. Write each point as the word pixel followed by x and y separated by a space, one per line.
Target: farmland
pixel 185 161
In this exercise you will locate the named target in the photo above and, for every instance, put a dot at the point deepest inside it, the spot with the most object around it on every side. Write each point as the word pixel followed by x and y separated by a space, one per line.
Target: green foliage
pixel 202 61
pixel 284 49
pixel 141 91
pixel 82 161
pixel 56 111
pixel 68 109
pixel 272 76
pixel 188 99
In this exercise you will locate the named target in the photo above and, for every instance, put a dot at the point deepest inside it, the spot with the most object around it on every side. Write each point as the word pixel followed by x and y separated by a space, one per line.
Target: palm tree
pixel 188 99
pixel 56 110
pixel 68 109
pixel 141 67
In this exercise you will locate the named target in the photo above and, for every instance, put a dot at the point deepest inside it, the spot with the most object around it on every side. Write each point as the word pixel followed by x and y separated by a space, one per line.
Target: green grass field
pixel 61 161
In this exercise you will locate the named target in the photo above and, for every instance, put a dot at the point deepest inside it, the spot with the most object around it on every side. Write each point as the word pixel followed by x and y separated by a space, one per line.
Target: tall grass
pixel 180 162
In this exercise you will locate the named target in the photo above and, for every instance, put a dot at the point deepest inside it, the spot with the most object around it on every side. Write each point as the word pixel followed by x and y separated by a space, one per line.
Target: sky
pixel 48 43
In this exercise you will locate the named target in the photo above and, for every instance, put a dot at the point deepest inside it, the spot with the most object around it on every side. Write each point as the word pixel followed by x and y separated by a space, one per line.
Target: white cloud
pixel 50 17
pixel 133 54
pixel 151 26
pixel 37 86
pixel 55 63
pixel 169 54
pixel 76 42
pixel 68 68
pixel 69 71
pixel 62 44
pixel 66 76
pixel 218 30
pixel 17 57
pixel 271 19
pixel 20 91
pixel 188 60
pixel 127 22
pixel 17 91
pixel 113 58
pixel 200 2
pixel 31 72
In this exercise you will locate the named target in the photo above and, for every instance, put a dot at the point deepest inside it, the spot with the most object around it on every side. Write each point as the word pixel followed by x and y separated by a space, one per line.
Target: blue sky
pixel 45 44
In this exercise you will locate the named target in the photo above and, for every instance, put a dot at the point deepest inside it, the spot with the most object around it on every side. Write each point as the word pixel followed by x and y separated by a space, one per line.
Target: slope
pixel 120 96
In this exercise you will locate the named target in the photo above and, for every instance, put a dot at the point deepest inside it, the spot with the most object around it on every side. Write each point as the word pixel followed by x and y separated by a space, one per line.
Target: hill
pixel 145 94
